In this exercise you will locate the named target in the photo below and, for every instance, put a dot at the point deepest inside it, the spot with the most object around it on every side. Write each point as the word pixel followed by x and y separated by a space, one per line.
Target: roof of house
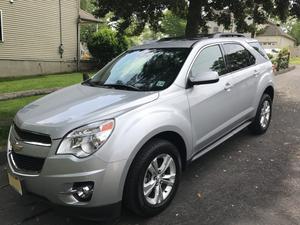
pixel 87 17
pixel 275 30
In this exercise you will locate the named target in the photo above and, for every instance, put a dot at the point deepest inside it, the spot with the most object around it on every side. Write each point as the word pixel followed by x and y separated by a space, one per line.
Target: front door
pixel 210 104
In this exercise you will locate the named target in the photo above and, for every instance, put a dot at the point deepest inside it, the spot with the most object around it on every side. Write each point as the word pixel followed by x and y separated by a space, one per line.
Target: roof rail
pixel 218 35
pixel 201 36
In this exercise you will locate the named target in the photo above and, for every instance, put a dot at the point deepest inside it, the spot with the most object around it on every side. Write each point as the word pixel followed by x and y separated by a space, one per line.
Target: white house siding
pixel 69 26
pixel 32 37
pixel 275 41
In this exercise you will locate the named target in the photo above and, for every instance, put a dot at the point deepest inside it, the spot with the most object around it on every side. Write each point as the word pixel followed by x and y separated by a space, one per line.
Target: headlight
pixel 86 140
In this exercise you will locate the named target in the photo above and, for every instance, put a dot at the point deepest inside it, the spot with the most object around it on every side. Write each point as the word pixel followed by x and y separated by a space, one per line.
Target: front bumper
pixel 55 181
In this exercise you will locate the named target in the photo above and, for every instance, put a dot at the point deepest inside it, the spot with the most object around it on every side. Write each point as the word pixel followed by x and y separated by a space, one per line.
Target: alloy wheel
pixel 265 114
pixel 159 179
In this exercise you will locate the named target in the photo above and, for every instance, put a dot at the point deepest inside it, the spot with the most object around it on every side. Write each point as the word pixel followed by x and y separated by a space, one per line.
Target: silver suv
pixel 125 135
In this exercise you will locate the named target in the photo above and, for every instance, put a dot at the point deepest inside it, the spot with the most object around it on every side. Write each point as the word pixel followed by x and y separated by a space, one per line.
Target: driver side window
pixel 209 59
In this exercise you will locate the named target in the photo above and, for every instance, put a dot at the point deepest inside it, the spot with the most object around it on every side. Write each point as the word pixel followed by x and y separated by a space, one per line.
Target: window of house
pixel 1 27
pixel 238 57
pixel 209 59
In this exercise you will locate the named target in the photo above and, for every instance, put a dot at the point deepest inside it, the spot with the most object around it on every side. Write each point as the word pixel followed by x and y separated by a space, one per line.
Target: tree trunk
pixel 255 12
pixel 193 18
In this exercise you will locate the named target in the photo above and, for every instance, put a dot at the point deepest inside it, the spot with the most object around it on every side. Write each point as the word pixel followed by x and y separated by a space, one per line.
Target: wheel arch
pixel 172 136
pixel 177 140
pixel 270 91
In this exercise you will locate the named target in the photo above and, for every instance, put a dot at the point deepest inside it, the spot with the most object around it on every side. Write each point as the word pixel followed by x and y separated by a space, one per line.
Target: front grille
pixel 30 136
pixel 27 163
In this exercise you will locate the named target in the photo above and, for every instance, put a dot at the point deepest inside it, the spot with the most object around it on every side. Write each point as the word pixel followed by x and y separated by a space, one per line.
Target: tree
pixel 86 30
pixel 87 5
pixel 173 25
pixel 197 12
pixel 295 9
pixel 106 44
pixel 295 31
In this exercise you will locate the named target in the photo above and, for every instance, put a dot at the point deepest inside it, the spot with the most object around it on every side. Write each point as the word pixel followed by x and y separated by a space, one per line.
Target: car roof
pixel 182 42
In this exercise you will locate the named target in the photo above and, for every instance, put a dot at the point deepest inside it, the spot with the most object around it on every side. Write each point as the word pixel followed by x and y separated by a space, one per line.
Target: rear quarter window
pixel 259 49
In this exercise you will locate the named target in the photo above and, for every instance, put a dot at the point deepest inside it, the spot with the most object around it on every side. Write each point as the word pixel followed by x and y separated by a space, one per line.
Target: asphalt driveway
pixel 246 181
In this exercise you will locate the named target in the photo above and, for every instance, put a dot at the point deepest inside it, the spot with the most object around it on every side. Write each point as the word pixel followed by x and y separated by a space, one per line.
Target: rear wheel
pixel 262 119
pixel 153 178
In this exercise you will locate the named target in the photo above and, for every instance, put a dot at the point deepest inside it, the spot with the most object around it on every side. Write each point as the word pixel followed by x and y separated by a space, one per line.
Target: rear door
pixel 243 73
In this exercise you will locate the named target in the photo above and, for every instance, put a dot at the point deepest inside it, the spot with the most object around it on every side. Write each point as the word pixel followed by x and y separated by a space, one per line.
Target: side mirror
pixel 204 78
pixel 85 76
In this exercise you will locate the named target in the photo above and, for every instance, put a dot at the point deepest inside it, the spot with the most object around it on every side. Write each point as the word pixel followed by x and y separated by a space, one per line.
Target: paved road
pixel 248 180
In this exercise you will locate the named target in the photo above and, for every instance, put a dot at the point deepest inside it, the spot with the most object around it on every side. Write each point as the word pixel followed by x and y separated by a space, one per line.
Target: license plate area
pixel 15 183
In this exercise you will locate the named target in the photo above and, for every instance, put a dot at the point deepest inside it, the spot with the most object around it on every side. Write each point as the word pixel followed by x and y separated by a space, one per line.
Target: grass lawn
pixel 8 109
pixel 295 61
pixel 39 82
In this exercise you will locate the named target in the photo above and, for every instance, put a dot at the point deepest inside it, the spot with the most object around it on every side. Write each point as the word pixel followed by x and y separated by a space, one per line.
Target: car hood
pixel 77 105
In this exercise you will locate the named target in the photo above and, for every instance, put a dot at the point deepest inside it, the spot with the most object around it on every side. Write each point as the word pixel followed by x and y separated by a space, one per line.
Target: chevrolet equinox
pixel 123 136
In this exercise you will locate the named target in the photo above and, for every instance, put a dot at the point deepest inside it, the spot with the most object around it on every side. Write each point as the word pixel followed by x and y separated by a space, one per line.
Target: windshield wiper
pixel 117 86
pixel 122 86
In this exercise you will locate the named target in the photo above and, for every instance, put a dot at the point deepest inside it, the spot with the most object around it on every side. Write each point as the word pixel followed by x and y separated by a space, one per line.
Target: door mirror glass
pixel 204 78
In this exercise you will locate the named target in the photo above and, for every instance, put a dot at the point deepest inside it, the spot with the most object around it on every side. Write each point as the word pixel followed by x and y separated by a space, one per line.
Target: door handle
pixel 228 86
pixel 256 73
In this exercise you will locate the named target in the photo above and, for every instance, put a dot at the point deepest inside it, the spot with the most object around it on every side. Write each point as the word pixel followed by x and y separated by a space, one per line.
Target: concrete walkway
pixel 21 94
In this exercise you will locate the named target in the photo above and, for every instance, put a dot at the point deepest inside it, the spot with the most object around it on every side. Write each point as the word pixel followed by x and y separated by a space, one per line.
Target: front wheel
pixel 153 178
pixel 262 119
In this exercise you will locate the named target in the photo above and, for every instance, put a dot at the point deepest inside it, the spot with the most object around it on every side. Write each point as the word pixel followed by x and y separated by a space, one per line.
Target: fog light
pixel 83 191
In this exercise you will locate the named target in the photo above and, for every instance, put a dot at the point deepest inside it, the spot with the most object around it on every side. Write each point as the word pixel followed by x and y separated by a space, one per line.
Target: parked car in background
pixel 126 134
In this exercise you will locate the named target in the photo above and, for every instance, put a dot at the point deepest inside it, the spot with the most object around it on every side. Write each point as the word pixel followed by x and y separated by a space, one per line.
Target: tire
pixel 141 173
pixel 260 125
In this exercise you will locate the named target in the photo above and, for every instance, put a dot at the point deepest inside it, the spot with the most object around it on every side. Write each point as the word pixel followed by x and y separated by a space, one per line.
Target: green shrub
pixel 270 56
pixel 283 59
pixel 284 52
pixel 106 44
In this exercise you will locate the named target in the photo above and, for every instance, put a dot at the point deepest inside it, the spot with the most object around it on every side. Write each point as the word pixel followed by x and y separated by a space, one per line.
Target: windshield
pixel 142 70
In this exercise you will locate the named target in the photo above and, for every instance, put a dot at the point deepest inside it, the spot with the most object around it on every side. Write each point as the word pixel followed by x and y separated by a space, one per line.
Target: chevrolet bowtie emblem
pixel 17 147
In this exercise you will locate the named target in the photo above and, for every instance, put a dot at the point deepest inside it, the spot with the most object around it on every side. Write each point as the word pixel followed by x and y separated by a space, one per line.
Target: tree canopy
pixel 172 24
pixel 245 13
pixel 87 5
pixel 295 31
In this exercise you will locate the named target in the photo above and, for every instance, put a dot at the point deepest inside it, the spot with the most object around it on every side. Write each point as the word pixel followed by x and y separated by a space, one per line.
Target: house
pixel 272 36
pixel 40 36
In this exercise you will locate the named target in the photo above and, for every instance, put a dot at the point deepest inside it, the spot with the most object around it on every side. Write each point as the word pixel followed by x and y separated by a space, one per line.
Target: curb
pixel 21 94
pixel 285 70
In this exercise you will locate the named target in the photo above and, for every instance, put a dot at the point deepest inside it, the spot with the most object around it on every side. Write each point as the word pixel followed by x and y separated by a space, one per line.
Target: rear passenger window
pixel 209 59
pixel 238 57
